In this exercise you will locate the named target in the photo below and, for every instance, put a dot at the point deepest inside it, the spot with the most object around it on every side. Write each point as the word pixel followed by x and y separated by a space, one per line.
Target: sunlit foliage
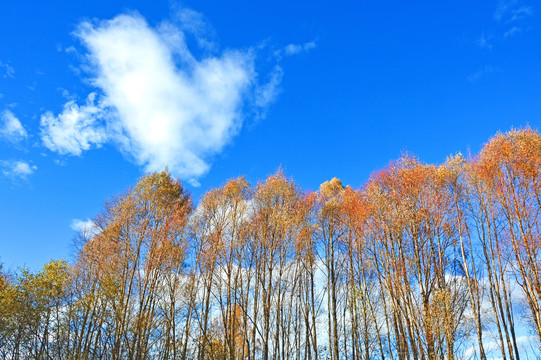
pixel 423 262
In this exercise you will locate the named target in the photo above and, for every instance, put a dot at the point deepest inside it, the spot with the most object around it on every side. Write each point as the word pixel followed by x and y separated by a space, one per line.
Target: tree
pixel 508 174
pixel 142 238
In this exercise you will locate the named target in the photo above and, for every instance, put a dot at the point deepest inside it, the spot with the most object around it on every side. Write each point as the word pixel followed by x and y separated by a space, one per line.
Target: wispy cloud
pixel 11 128
pixel 510 17
pixel 512 10
pixel 196 24
pixel 515 30
pixel 17 169
pixel 293 49
pixel 8 70
pixel 482 72
pixel 521 13
pixel 266 94
pixel 485 42
pixel 503 8
pixel 158 103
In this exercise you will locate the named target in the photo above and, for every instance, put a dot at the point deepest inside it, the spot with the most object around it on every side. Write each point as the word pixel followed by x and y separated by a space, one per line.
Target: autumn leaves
pixel 418 264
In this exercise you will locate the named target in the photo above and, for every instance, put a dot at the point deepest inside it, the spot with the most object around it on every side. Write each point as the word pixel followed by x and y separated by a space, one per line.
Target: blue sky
pixel 93 95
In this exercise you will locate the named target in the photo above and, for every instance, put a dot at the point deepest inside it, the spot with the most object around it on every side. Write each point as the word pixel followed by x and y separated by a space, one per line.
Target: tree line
pixel 423 262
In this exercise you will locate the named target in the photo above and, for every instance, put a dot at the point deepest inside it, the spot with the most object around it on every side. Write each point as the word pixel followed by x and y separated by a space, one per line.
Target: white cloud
pixel 9 71
pixel 159 104
pixel 76 129
pixel 293 49
pixel 11 128
pixel 493 347
pixel 17 169
pixel 87 227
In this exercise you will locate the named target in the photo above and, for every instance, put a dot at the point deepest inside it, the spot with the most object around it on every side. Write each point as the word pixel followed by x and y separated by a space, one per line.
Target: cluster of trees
pixel 423 262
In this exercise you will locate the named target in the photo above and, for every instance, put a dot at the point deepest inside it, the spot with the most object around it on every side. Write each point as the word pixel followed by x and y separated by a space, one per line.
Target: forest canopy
pixel 422 262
